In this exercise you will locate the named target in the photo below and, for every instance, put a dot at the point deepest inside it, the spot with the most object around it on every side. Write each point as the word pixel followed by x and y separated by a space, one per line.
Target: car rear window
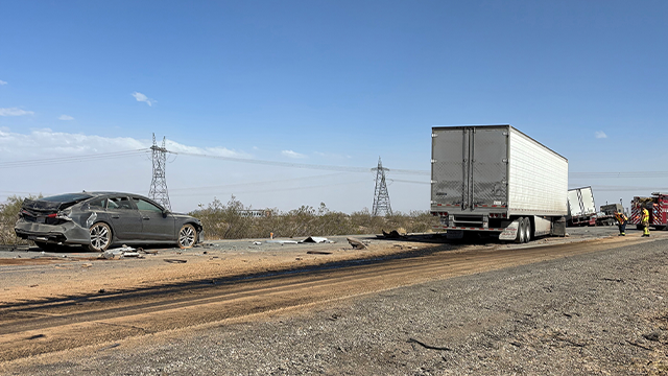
pixel 67 197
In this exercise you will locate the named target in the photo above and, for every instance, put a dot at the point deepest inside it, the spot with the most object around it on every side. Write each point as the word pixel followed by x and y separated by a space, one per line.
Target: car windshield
pixel 67 197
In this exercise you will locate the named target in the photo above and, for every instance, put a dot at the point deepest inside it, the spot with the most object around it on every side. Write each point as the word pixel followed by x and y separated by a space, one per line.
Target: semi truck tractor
pixel 495 180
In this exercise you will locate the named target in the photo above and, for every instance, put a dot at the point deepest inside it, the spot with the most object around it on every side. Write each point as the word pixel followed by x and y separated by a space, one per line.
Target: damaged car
pixel 98 220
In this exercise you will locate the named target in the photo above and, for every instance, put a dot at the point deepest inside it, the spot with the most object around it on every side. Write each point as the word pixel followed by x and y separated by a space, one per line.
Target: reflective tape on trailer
pixel 467 228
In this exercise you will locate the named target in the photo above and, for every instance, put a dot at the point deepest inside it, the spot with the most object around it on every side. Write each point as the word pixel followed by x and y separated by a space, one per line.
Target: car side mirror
pixel 164 213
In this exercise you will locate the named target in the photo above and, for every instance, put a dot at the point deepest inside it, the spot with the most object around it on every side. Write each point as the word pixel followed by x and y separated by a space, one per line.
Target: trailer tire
pixel 527 229
pixel 521 232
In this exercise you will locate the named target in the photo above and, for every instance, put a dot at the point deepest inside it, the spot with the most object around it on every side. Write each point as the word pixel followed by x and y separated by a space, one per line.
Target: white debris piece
pixel 281 242
pixel 123 251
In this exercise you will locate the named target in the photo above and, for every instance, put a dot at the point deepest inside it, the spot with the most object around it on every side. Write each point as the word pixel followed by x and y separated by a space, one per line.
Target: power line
pixel 273 189
pixel 256 183
pixel 74 159
pixel 300 165
pixel 617 175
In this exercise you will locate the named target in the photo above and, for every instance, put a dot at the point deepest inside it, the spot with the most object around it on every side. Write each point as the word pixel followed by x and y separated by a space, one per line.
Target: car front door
pixel 155 224
pixel 125 219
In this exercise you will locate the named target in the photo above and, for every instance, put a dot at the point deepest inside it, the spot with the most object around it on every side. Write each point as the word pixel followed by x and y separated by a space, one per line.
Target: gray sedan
pixel 99 219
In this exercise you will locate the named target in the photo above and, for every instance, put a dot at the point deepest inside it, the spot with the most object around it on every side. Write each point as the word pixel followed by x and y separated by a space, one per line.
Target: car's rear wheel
pixel 100 237
pixel 187 236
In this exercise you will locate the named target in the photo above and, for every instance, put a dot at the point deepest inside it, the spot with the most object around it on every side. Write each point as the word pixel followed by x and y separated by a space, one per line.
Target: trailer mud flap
pixel 455 234
pixel 510 232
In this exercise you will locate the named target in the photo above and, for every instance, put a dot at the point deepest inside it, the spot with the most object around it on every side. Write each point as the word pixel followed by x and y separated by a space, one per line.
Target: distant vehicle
pixel 495 180
pixel 657 206
pixel 100 219
pixel 582 209
pixel 581 206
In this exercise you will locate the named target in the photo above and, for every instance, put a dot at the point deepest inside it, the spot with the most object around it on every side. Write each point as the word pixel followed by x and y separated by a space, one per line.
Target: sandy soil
pixel 64 288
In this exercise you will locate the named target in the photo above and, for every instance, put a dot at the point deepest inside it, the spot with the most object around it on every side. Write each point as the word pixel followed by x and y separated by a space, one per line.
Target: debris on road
pixel 394 234
pixel 426 346
pixel 318 253
pixel 316 239
pixel 176 261
pixel 281 242
pixel 356 243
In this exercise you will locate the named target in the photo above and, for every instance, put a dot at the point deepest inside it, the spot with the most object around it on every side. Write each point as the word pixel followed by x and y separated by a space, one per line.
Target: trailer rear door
pixel 469 167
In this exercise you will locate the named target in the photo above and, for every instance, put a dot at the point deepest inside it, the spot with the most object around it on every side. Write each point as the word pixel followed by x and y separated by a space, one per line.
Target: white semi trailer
pixel 495 180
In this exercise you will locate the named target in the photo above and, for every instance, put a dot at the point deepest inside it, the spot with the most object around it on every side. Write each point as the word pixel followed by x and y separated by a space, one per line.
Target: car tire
pixel 100 237
pixel 187 236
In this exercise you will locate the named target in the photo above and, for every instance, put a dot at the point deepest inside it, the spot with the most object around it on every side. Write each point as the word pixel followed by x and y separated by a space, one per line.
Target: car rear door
pixel 155 225
pixel 125 219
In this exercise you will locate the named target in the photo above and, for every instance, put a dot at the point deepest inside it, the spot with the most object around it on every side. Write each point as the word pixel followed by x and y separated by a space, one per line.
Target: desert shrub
pixel 228 222
pixel 9 214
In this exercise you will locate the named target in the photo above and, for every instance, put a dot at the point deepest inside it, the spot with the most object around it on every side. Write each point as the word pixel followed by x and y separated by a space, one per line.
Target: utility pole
pixel 381 199
pixel 158 191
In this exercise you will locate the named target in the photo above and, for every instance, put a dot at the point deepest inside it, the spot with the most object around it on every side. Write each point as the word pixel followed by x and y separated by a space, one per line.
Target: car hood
pixel 181 215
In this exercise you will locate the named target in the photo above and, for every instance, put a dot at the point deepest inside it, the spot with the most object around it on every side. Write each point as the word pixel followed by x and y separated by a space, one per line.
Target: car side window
pixel 99 203
pixel 145 205
pixel 120 203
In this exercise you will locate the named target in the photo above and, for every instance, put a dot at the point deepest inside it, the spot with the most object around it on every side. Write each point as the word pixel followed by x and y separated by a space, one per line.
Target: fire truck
pixel 657 206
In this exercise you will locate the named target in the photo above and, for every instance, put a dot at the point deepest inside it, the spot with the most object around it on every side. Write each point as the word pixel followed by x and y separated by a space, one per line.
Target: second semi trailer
pixel 494 179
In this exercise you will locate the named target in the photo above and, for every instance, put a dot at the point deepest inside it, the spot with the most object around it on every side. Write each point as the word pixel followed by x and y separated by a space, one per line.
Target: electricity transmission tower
pixel 381 199
pixel 158 191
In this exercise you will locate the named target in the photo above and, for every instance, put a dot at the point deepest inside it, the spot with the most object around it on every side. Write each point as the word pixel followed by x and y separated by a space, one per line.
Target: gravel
pixel 602 313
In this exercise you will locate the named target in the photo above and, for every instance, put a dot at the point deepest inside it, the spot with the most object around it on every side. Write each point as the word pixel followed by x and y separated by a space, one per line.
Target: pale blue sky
pixel 330 82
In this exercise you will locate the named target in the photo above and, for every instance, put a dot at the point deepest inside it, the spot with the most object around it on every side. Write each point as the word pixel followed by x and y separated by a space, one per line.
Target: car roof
pixel 104 193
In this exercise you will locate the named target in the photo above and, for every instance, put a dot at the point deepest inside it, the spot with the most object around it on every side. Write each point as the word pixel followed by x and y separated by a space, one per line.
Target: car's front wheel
pixel 187 236
pixel 100 237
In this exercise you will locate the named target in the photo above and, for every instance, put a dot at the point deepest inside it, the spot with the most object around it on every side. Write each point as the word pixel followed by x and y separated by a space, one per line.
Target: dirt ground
pixel 383 328
pixel 71 272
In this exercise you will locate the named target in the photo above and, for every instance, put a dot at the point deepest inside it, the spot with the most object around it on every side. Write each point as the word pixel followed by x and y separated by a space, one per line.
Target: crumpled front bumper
pixel 64 233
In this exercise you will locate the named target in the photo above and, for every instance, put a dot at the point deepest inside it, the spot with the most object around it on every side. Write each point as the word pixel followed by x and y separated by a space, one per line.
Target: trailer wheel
pixel 521 232
pixel 527 229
